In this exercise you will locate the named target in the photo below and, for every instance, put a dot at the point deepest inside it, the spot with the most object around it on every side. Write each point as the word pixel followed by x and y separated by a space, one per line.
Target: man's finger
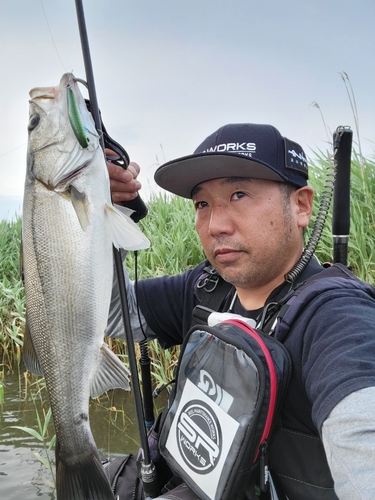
pixel 135 168
pixel 120 196
pixel 119 174
pixel 131 186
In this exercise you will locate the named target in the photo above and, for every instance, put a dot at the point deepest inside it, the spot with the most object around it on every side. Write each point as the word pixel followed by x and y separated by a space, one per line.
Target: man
pixel 249 188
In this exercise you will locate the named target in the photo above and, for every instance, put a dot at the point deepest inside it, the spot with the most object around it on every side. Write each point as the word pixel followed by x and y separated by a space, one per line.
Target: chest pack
pixel 230 383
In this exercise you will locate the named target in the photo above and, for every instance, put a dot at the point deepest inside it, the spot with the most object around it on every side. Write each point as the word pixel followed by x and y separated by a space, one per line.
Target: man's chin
pixel 230 274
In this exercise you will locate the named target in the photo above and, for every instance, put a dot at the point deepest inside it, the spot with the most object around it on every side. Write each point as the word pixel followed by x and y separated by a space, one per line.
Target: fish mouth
pixel 36 93
pixel 42 93
pixel 68 95
pixel 75 137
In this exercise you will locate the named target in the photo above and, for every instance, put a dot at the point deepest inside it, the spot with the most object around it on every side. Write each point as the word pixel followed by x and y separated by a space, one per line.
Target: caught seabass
pixel 69 229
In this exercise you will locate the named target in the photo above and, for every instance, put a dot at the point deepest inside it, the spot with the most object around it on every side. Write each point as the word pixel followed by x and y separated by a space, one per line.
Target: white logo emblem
pixel 199 437
pixel 300 156
pixel 245 148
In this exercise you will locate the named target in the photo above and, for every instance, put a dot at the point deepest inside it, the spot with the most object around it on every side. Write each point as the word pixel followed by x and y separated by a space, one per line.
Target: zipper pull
pixel 263 467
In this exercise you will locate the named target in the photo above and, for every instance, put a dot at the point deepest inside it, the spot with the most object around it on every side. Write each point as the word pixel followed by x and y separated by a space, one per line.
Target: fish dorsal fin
pixel 111 374
pixel 124 232
pixel 30 357
pixel 79 202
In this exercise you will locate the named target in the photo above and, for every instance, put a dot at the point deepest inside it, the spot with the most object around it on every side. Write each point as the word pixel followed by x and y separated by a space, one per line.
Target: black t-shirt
pixel 331 343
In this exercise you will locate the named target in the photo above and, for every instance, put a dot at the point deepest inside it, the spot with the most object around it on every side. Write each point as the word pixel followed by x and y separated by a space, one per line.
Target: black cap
pixel 236 150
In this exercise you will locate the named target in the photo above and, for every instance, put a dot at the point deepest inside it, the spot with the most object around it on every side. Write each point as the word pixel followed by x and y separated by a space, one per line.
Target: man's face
pixel 251 231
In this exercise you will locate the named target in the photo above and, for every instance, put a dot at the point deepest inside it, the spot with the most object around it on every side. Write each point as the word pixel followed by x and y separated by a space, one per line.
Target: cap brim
pixel 182 175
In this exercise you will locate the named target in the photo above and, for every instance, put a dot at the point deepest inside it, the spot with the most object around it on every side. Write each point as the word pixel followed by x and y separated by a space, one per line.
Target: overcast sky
pixel 168 73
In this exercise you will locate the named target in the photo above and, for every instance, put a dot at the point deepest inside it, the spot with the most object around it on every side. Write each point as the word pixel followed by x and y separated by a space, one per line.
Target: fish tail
pixel 83 480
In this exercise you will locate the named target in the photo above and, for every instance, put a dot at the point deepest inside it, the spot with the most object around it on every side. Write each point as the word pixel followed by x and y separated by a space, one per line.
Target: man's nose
pixel 220 221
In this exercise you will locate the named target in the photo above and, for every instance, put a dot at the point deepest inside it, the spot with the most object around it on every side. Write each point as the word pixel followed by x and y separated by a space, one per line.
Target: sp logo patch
pixel 199 436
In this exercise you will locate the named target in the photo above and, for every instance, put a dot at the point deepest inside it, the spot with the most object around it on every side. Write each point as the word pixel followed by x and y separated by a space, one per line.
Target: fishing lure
pixel 75 119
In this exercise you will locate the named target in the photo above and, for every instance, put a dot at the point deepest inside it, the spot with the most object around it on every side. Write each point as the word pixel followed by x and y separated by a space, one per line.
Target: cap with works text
pixel 236 150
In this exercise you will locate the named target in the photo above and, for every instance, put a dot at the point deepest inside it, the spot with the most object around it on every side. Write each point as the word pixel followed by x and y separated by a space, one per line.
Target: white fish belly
pixel 68 284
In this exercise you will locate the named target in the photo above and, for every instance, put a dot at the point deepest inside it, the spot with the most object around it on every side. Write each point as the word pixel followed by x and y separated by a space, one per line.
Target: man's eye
pixel 238 195
pixel 199 205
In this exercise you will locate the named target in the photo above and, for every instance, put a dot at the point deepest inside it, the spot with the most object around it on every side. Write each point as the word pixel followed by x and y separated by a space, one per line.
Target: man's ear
pixel 303 199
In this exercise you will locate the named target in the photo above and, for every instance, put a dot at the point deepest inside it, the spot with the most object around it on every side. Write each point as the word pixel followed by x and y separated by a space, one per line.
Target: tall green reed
pixel 12 300
pixel 174 243
pixel 175 247
pixel 361 252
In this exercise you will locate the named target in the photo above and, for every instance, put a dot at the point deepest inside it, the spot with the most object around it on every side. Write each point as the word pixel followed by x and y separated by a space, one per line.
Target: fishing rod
pixel 148 471
pixel 342 147
pixel 336 186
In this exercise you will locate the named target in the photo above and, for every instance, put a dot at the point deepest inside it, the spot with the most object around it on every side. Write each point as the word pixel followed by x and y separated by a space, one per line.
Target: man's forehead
pixel 221 182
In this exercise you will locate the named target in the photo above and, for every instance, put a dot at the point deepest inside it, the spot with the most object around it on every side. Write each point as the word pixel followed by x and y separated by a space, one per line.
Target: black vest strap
pixel 212 289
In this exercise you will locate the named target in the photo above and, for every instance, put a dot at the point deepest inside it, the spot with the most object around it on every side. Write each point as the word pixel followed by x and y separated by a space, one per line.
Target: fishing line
pixel 50 32
pixel 145 361
pixel 14 149
pixel 61 62
pixel 136 292
pixel 144 351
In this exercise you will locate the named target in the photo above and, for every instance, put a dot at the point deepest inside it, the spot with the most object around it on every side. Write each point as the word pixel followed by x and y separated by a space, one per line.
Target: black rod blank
pixel 148 469
pixel 342 145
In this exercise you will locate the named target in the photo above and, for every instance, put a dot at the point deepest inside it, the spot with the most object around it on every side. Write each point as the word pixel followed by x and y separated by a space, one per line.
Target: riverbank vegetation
pixel 175 247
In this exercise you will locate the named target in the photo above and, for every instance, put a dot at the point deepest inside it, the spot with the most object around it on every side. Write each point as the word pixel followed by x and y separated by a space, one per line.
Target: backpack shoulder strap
pixel 333 277
pixel 211 289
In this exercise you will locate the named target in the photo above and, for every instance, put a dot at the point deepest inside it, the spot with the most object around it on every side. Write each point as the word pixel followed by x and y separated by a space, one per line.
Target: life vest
pixel 297 461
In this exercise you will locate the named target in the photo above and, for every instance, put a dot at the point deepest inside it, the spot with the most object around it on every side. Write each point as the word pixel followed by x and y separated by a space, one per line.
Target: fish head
pixel 62 134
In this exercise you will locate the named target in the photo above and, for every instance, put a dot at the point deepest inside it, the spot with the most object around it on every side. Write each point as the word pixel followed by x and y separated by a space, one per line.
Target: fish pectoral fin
pixel 124 210
pixel 111 374
pixel 124 231
pixel 79 202
pixel 30 357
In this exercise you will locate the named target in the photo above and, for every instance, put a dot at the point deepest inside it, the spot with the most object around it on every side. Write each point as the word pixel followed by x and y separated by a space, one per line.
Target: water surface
pixel 22 476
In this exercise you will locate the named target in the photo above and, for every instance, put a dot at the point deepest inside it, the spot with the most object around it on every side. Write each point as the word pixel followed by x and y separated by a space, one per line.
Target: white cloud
pixel 169 73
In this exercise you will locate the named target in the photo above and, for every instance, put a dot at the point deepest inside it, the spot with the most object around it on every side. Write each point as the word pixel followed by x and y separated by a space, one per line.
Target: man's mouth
pixel 226 254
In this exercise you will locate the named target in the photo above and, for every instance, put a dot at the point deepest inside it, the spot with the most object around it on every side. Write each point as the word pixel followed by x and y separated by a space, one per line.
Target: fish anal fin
pixel 79 202
pixel 30 357
pixel 123 231
pixel 111 374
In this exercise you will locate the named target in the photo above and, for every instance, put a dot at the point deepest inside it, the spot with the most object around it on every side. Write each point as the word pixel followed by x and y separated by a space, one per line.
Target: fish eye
pixel 33 122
